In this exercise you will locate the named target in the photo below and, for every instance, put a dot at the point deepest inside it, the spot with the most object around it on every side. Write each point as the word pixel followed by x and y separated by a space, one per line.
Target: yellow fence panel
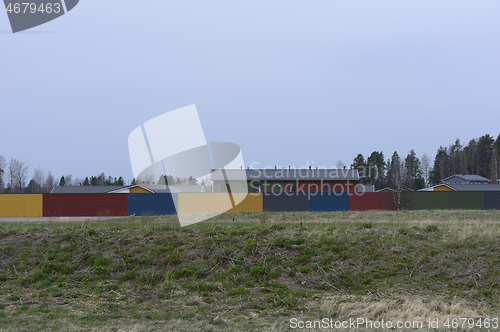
pixel 214 203
pixel 21 205
pixel 205 203
pixel 253 202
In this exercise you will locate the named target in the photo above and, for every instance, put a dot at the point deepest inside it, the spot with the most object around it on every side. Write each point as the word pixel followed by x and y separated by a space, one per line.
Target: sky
pixel 291 82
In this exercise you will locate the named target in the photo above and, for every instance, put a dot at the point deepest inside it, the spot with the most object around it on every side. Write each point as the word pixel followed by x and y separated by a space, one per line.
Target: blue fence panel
pixel 330 202
pixel 150 204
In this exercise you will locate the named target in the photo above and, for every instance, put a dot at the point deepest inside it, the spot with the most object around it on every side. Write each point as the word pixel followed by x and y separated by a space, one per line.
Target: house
pixel 289 180
pixel 464 182
pixel 439 187
pixel 465 179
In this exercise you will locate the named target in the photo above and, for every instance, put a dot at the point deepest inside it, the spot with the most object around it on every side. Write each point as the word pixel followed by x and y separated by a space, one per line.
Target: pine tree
pixel 192 181
pixel 376 168
pixel 456 156
pixel 360 164
pixel 33 187
pixel 485 150
pixel 441 168
pixel 62 182
pixel 394 172
pixel 413 171
pixel 162 179
pixel 120 182
pixel 471 157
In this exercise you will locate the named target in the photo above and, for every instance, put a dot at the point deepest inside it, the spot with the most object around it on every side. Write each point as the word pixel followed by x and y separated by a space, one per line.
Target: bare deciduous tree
pixel 101 179
pixel 494 166
pixel 49 183
pixel 38 179
pixel 2 171
pixel 18 173
pixel 68 180
pixel 425 161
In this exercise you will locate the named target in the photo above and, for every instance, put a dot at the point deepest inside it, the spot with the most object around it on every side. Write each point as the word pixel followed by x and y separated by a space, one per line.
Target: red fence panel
pixel 84 205
pixel 373 201
pixel 109 205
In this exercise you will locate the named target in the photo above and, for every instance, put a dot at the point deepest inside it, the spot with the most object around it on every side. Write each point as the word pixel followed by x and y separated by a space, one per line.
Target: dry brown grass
pixel 394 310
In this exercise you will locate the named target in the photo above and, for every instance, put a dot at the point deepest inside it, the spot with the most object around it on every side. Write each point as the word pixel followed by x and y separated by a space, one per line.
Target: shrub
pixel 257 271
pixel 283 242
pixel 236 291
pixel 39 275
pixel 300 240
pixel 431 228
pixel 486 292
pixel 129 275
pixel 101 261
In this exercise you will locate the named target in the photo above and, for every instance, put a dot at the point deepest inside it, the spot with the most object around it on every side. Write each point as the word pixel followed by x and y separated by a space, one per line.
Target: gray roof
pixel 390 190
pixel 289 174
pixel 475 187
pixel 105 189
pixel 85 189
pixel 468 177
pixel 386 190
pixel 161 188
pixel 366 188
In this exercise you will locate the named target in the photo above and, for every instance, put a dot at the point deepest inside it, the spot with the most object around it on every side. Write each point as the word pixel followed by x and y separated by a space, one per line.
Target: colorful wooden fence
pixel 92 205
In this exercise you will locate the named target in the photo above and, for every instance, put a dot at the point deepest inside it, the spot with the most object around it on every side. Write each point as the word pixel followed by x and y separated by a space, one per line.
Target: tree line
pixel 395 172
pixel 14 179
pixel 481 156
pixel 100 180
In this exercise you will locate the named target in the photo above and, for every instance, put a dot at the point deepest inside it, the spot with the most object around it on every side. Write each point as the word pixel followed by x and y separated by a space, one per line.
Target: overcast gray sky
pixel 289 81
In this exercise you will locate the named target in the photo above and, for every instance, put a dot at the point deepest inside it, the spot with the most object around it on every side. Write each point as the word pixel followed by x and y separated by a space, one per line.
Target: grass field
pixel 249 272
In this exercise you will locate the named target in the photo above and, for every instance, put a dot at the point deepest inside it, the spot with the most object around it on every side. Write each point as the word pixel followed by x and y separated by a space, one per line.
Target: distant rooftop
pixel 159 189
pixel 289 174
pixel 475 187
pixel 465 178
pixel 85 189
